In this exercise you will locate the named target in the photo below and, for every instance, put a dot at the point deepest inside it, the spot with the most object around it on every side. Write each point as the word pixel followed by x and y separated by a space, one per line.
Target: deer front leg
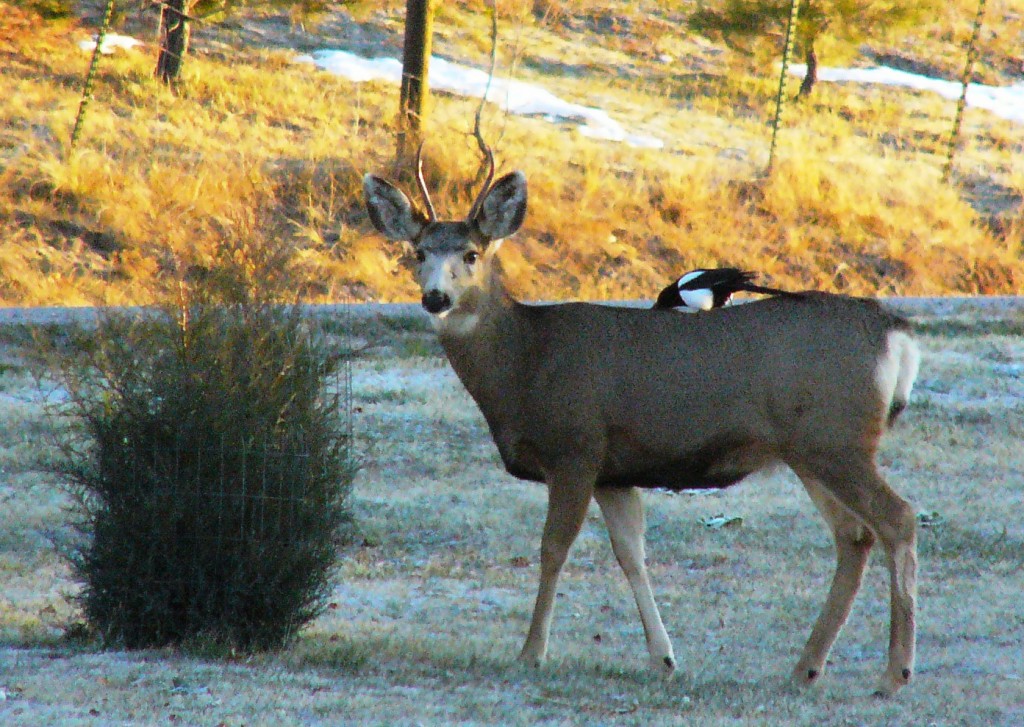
pixel 568 499
pixel 623 512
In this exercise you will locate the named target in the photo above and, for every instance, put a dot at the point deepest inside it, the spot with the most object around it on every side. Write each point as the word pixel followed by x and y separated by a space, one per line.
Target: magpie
pixel 705 289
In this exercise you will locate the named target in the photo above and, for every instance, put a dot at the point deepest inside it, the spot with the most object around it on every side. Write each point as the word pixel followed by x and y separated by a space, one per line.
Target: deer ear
pixel 504 207
pixel 390 210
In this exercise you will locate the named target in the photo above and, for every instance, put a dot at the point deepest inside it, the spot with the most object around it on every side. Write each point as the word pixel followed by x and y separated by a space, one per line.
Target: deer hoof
pixel 664 665
pixel 892 683
pixel 805 676
pixel 533 661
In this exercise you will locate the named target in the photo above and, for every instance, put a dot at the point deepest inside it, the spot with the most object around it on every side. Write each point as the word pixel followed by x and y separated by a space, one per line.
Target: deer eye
pixel 420 256
pixel 471 257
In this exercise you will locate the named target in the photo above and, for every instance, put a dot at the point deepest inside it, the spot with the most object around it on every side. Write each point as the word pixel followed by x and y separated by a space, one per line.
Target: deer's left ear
pixel 504 207
pixel 390 210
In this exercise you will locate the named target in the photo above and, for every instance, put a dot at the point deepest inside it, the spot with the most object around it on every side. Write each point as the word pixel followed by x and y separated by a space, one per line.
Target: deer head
pixel 453 259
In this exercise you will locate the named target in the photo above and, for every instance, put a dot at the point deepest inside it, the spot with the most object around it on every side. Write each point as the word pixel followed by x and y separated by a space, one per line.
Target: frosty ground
pixel 433 596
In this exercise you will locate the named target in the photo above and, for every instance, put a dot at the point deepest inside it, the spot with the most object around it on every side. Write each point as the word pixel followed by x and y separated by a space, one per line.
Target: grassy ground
pixel 251 145
pixel 433 599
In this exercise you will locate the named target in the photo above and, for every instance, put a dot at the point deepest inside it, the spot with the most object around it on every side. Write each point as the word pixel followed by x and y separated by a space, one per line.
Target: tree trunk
pixel 419 28
pixel 811 77
pixel 174 37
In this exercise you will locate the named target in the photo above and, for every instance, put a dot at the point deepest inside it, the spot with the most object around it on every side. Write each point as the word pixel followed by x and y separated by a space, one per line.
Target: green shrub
pixel 210 467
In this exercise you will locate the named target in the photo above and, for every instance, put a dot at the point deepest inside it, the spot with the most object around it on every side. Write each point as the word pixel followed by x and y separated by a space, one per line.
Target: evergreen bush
pixel 210 468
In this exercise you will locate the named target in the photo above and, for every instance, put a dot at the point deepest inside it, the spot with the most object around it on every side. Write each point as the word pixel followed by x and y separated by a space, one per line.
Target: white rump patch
pixel 897 369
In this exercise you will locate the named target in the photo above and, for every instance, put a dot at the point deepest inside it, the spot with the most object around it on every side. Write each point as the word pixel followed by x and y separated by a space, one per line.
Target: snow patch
pixel 111 42
pixel 527 99
pixel 517 97
pixel 1004 101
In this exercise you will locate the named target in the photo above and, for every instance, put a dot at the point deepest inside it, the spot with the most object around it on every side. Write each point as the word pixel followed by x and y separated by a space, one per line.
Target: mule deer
pixel 598 401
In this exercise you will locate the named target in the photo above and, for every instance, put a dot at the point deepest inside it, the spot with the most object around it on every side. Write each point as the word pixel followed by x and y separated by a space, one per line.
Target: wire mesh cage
pixel 210 470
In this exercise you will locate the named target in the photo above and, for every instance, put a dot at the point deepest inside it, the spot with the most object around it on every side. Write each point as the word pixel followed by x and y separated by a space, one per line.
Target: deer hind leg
pixel 857 485
pixel 568 499
pixel 853 544
pixel 623 512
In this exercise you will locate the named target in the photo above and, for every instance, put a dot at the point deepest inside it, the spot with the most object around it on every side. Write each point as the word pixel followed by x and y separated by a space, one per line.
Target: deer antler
pixel 487 182
pixel 477 131
pixel 431 214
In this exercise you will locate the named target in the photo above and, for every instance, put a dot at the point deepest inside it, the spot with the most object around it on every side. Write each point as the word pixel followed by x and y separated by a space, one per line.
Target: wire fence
pixel 234 493
pixel 191 530
pixel 780 99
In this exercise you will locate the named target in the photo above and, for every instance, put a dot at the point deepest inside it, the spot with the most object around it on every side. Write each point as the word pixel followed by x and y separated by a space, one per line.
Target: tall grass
pixel 857 205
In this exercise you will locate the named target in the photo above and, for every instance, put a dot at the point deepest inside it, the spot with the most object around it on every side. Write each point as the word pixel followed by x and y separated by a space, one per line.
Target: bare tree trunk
pixel 419 29
pixel 174 37
pixel 811 77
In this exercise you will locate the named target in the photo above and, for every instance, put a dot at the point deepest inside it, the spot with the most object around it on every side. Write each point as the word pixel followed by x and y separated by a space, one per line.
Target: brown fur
pixel 658 392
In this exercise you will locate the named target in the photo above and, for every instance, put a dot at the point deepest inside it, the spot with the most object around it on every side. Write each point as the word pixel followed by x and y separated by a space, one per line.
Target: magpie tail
pixel 751 288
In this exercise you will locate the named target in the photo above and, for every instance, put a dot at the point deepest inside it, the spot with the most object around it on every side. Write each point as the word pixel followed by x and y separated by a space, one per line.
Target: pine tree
pixel 848 21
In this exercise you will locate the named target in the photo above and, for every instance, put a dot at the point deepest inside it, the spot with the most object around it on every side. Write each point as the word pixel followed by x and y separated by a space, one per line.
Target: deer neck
pixel 484 338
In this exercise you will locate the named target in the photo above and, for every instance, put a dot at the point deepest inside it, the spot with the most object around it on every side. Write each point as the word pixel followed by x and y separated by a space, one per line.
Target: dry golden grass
pixel 856 205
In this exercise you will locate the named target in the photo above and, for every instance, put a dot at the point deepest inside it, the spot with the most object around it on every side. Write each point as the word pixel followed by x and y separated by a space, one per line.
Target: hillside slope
pixel 255 155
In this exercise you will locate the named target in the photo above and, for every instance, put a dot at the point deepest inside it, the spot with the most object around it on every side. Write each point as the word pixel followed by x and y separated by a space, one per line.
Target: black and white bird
pixel 705 289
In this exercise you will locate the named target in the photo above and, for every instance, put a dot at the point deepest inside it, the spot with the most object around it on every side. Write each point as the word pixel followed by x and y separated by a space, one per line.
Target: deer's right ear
pixel 390 210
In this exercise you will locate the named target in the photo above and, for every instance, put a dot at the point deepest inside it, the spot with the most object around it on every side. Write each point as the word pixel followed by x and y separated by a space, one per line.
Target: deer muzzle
pixel 434 301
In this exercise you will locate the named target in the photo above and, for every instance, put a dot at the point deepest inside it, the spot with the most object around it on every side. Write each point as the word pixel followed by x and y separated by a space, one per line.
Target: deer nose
pixel 436 302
